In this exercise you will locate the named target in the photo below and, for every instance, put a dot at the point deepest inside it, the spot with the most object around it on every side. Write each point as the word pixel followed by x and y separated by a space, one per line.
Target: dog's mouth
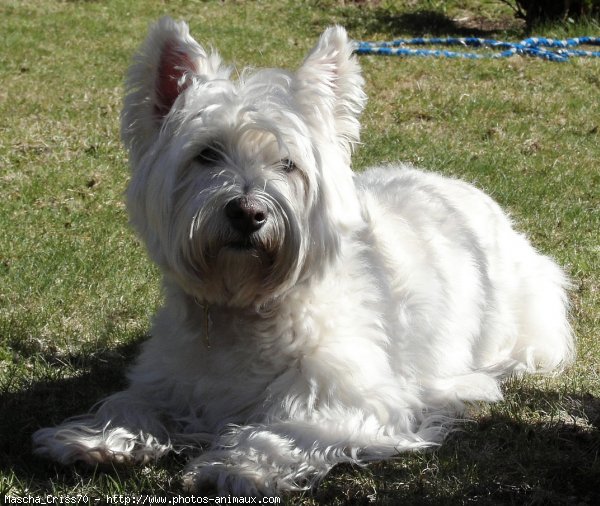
pixel 243 245
pixel 250 243
pixel 251 249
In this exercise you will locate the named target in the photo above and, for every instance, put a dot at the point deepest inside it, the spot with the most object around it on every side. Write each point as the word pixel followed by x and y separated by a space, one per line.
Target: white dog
pixel 313 316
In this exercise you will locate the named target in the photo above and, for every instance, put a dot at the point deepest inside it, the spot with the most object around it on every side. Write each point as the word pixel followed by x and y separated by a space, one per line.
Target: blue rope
pixel 547 49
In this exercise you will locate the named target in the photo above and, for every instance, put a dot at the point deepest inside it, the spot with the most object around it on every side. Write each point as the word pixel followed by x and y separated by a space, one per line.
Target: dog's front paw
pixel 68 444
pixel 77 441
pixel 214 472
pixel 219 479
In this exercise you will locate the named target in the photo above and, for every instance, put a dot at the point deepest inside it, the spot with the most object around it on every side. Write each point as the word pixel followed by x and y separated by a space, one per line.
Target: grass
pixel 77 291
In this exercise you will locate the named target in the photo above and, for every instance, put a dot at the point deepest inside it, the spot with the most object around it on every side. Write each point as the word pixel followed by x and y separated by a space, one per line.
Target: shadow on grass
pixel 427 23
pixel 500 460
pixel 56 390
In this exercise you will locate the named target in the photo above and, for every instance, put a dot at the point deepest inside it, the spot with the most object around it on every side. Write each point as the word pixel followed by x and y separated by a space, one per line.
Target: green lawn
pixel 77 291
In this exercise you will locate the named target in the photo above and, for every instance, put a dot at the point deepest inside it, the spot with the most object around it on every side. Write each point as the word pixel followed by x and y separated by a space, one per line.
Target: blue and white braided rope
pixel 547 49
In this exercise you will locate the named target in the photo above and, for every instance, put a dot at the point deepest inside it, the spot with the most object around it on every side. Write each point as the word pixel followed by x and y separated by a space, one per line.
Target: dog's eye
pixel 209 155
pixel 287 165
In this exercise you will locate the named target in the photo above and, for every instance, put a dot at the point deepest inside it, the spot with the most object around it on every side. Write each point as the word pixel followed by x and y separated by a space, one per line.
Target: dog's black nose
pixel 246 214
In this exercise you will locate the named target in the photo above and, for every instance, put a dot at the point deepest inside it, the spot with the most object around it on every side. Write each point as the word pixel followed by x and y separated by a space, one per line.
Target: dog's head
pixel 241 188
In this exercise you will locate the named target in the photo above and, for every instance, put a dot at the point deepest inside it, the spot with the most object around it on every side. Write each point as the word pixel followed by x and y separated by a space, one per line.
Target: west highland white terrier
pixel 312 316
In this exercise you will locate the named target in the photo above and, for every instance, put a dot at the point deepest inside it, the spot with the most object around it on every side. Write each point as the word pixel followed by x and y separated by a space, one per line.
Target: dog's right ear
pixel 166 64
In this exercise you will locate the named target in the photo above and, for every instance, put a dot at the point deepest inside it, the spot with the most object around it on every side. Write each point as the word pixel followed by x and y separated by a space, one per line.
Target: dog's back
pixel 484 297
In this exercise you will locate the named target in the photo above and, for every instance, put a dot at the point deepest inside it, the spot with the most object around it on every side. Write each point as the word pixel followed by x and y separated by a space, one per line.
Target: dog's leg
pixel 123 429
pixel 295 455
pixel 254 460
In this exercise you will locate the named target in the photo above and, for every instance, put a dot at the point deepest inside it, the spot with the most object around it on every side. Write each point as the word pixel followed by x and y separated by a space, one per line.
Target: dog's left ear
pixel 330 85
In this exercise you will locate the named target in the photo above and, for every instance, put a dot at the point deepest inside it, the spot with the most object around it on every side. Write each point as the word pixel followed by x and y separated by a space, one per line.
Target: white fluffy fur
pixel 352 326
